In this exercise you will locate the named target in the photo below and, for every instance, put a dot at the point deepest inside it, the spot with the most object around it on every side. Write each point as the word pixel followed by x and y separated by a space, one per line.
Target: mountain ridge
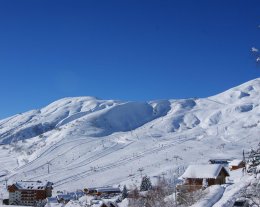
pixel 83 138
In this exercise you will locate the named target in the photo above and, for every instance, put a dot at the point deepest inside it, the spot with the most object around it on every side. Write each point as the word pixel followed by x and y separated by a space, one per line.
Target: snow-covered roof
pixel 33 185
pixel 235 162
pixel 203 171
pixel 104 189
pixel 220 159
pixel 66 197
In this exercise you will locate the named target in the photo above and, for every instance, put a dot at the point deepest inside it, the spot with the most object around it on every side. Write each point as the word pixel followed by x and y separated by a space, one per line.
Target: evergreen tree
pixel 124 192
pixel 146 184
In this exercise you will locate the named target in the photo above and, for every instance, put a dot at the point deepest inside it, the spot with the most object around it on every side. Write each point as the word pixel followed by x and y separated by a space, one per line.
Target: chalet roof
pixel 33 185
pixel 107 189
pixel 235 162
pixel 220 159
pixel 203 171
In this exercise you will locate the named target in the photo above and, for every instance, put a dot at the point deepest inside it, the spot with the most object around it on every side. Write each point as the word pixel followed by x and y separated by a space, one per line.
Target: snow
pixel 81 142
pixel 214 193
pixel 232 192
pixel 3 173
pixel 258 169
pixel 225 195
pixel 203 171
pixel 124 203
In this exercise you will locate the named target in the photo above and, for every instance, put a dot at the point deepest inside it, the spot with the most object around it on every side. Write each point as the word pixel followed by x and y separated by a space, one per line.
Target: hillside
pixel 84 141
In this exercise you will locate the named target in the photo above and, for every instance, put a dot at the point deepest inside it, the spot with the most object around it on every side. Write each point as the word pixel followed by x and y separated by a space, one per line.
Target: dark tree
pixel 146 184
pixel 124 192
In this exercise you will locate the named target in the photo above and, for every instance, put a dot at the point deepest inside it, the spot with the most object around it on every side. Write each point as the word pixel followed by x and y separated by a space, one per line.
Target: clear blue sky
pixel 124 49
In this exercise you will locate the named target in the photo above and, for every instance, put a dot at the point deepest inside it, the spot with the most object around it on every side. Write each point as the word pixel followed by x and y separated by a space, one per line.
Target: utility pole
pixel 48 165
pixel 141 171
pixel 163 174
pixel 244 159
pixel 6 180
pixel 175 189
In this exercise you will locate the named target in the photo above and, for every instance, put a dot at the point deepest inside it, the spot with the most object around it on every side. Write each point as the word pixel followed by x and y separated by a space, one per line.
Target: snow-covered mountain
pixel 83 141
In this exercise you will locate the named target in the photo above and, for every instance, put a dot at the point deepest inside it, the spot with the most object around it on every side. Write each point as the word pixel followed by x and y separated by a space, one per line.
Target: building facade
pixel 29 193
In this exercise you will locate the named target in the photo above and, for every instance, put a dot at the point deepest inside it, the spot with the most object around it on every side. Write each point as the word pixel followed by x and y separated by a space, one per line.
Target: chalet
pixel 236 164
pixel 197 176
pixel 102 190
pixel 29 193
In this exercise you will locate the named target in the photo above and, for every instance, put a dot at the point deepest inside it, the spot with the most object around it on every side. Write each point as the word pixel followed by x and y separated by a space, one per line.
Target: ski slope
pixel 83 142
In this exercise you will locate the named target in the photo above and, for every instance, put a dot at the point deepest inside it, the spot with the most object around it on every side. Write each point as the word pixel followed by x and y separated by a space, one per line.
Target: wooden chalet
pixel 198 176
pixel 236 164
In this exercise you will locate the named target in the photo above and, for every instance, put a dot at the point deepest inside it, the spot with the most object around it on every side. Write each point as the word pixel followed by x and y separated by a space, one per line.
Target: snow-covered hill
pixel 84 141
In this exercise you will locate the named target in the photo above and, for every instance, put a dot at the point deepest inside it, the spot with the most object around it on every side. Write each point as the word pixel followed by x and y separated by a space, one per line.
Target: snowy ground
pixel 85 142
pixel 225 195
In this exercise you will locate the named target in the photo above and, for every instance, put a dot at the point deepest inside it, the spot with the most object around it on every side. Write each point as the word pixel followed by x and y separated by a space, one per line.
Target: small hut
pixel 236 164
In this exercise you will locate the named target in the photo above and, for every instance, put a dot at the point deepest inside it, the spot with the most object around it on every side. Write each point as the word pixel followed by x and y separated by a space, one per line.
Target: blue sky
pixel 129 50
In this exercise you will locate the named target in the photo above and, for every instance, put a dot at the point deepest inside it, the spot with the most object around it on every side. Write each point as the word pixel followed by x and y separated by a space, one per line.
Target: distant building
pixel 102 190
pixel 65 198
pixel 236 164
pixel 197 176
pixel 29 193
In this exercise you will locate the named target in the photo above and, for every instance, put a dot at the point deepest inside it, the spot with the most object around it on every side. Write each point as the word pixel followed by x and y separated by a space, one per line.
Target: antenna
pixel 48 165
pixel 6 179
pixel 163 174
pixel 141 169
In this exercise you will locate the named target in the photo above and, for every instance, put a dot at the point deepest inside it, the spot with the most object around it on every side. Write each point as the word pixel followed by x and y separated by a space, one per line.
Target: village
pixel 187 189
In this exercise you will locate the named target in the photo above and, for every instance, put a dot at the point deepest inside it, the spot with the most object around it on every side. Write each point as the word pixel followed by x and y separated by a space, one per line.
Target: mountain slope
pixel 84 141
